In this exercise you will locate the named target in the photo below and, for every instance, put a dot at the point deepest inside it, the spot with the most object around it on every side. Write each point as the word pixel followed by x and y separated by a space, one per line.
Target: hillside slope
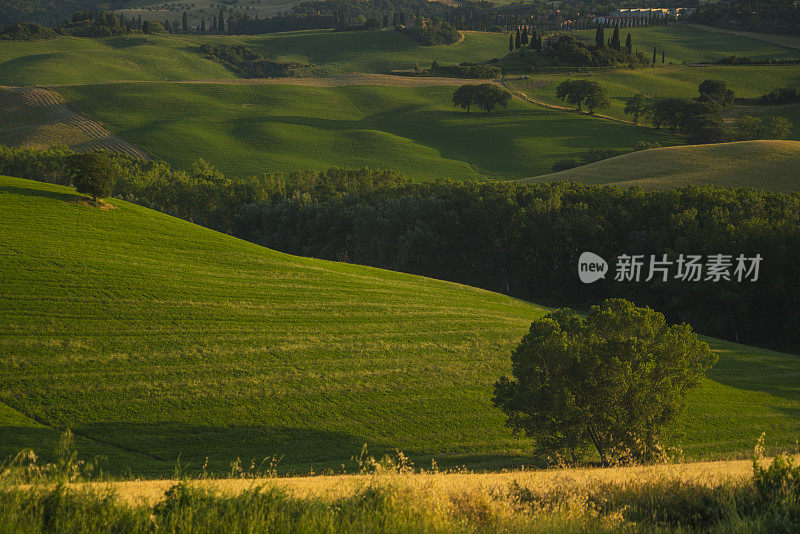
pixel 770 165
pixel 152 338
pixel 38 118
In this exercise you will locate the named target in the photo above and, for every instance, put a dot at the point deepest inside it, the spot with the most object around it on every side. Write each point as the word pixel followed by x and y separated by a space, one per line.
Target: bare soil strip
pixel 35 117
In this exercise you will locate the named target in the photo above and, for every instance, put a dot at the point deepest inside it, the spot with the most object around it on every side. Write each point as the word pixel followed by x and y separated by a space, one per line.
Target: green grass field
pixel 146 57
pixel 620 85
pixel 683 44
pixel 152 338
pixel 252 129
pixel 770 165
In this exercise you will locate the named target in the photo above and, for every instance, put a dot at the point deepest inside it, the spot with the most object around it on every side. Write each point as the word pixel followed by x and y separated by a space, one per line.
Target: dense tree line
pixel 766 17
pixel 465 70
pixel 247 62
pixel 50 12
pixel 521 239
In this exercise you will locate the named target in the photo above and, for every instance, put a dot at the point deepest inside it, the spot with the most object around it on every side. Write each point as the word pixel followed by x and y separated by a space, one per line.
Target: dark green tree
pixel 92 174
pixel 654 56
pixel 517 39
pixel 580 92
pixel 464 97
pixel 663 56
pixel 203 26
pixel 524 38
pixel 185 22
pixel 221 21
pixel 637 106
pixel 716 92
pixel 489 97
pixel 616 380
pixel 510 43
pixel 615 42
pixel 600 37
pixel 629 44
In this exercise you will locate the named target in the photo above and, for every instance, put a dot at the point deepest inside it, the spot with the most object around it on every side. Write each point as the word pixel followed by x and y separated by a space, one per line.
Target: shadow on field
pixel 14 190
pixel 295 450
pixel 126 42
pixel 761 370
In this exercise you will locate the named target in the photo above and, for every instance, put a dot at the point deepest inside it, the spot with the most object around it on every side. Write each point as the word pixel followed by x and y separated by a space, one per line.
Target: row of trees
pixel 701 119
pixel 521 239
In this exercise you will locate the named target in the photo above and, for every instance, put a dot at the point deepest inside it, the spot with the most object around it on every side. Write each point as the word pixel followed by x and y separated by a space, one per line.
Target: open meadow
pixel 154 339
pixel 770 165
pixel 254 128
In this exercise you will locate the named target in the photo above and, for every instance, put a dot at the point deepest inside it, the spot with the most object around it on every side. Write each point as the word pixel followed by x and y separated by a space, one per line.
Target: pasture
pixel 770 165
pixel 154 339
pixel 248 129
pixel 686 44
pixel 71 60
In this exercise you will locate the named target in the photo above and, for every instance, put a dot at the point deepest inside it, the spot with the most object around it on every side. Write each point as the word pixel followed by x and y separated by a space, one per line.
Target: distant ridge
pixel 771 165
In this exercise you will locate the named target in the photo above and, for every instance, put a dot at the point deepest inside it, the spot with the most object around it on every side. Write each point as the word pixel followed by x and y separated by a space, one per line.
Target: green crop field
pixel 250 129
pixel 146 57
pixel 770 165
pixel 152 338
pixel 685 44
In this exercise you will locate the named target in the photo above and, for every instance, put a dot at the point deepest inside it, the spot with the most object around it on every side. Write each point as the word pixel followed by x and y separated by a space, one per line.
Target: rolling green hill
pixel 152 338
pixel 686 44
pixel 620 85
pixel 770 165
pixel 250 129
pixel 172 57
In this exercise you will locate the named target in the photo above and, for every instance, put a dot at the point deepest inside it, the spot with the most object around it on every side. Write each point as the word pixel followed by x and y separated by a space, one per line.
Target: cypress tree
pixel 517 40
pixel 654 55
pixel 663 56
pixel 139 23
pixel 615 44
pixel 394 19
pixel 629 44
pixel 599 37
pixel 524 40
pixel 203 26
pixel 185 22
pixel 221 22
pixel 510 43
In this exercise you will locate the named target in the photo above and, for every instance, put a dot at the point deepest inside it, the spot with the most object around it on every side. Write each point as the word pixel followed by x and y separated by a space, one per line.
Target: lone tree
pixel 92 174
pixel 615 380
pixel 637 106
pixel 582 92
pixel 716 92
pixel 485 96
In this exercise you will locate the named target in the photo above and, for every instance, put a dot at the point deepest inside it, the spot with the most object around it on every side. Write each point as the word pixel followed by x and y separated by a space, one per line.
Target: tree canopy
pixel 485 96
pixel 615 380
